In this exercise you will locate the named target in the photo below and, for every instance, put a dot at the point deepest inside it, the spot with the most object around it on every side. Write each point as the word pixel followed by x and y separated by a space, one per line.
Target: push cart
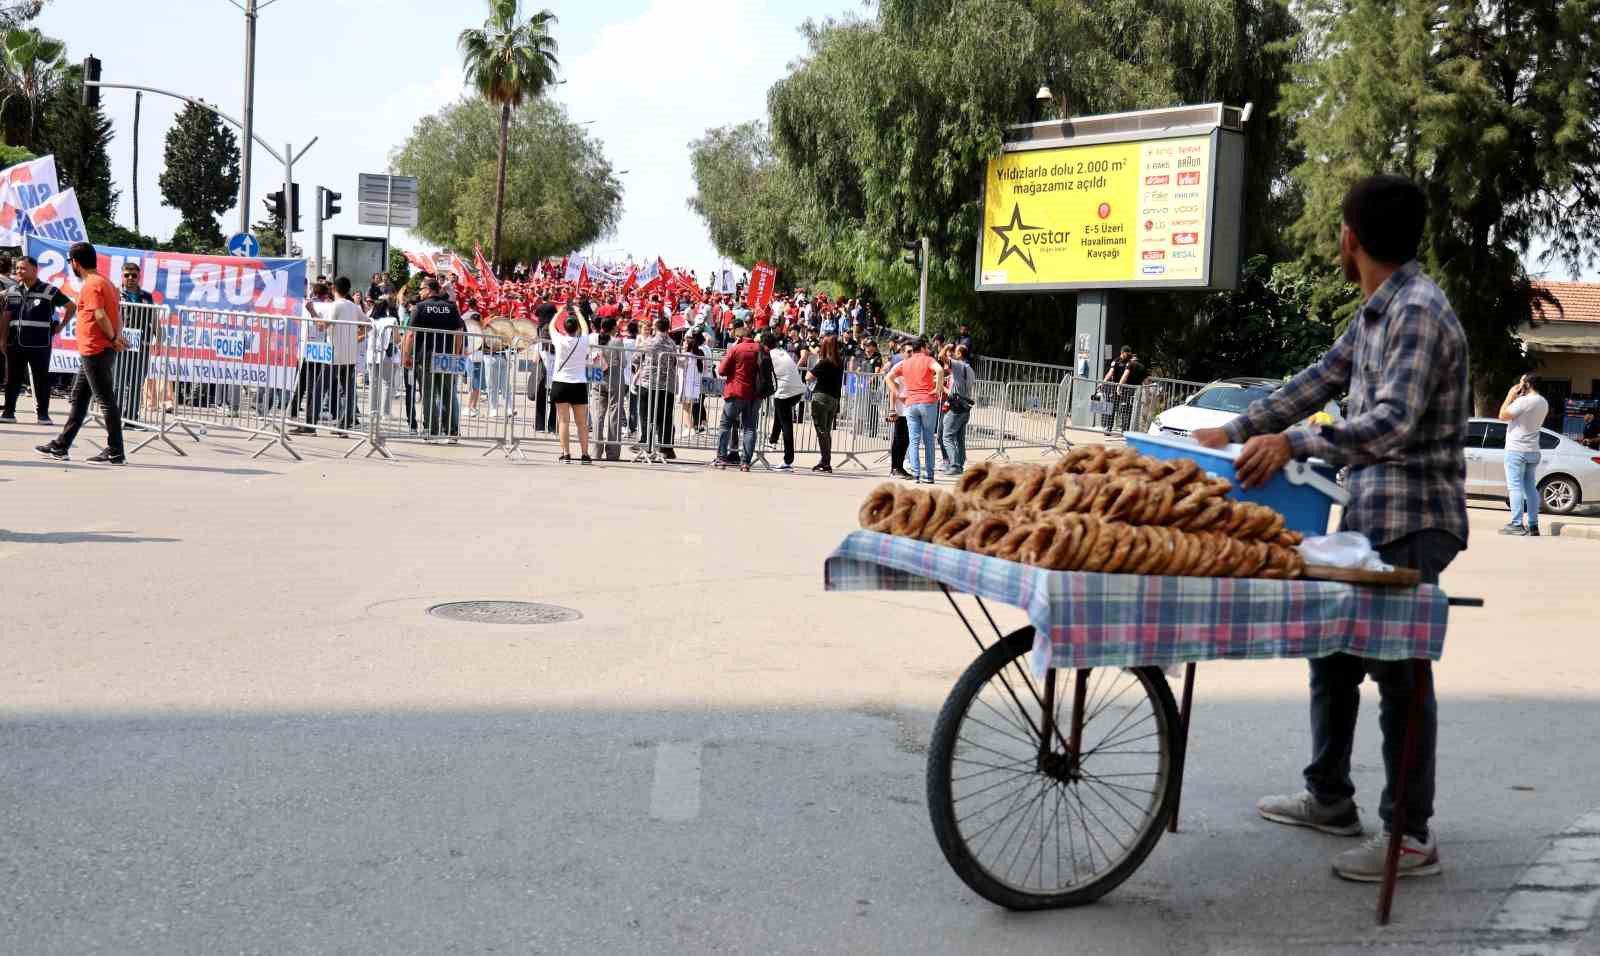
pixel 1057 760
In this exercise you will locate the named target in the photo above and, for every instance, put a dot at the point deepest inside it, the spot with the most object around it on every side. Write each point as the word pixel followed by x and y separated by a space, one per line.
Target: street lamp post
pixel 288 157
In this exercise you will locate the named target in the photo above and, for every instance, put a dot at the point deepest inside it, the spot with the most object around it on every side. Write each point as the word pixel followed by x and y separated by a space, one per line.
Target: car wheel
pixel 1559 495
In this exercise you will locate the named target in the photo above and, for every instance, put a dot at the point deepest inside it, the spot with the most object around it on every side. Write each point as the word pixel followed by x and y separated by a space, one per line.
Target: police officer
pixel 30 325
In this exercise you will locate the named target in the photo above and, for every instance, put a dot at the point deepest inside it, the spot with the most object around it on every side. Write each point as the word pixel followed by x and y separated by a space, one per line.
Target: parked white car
pixel 1213 406
pixel 1568 474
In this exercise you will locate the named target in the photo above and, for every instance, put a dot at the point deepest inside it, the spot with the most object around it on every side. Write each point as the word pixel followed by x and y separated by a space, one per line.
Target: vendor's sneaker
pixel 1364 864
pixel 1304 810
pixel 50 449
pixel 1514 529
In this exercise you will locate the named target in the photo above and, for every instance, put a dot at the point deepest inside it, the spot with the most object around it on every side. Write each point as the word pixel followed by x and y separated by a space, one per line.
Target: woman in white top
pixel 474 323
pixel 569 379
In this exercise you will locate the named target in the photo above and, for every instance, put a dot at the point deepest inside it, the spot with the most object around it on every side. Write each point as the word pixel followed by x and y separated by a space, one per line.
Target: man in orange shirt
pixel 99 333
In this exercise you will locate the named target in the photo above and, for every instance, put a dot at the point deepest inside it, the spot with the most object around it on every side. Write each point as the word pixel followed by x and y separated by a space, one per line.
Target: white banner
pixel 59 218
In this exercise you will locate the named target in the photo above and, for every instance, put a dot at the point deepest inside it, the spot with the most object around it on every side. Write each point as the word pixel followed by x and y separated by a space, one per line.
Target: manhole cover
pixel 504 612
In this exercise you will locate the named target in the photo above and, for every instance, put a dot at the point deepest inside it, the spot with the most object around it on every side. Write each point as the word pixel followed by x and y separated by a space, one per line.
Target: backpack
pixel 766 377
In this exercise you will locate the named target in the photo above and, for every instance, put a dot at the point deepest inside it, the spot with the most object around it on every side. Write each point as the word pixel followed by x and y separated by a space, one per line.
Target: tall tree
pixel 509 61
pixel 890 121
pixel 32 66
pixel 750 200
pixel 201 178
pixel 560 191
pixel 1493 106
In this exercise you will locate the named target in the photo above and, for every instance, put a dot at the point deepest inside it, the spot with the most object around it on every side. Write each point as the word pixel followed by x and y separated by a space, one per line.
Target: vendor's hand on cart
pixel 1210 437
pixel 1263 457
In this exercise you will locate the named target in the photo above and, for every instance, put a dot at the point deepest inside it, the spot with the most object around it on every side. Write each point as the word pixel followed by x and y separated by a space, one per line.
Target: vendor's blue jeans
pixel 1521 466
pixel 1336 701
pixel 923 420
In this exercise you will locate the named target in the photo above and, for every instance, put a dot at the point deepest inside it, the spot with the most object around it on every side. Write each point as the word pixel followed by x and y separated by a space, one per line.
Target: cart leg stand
pixel 1421 678
pixel 1183 742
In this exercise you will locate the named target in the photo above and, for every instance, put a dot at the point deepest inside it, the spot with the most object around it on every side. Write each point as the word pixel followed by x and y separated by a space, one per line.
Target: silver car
pixel 1568 474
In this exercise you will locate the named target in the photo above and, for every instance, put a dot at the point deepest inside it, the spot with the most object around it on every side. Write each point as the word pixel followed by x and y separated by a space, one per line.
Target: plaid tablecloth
pixel 1127 620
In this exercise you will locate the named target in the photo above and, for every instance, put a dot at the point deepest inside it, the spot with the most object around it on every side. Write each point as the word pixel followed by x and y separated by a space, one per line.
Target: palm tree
pixel 31 66
pixel 508 62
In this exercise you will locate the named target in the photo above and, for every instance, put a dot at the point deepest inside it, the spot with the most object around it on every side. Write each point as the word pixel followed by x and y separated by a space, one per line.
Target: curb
pixel 1564 530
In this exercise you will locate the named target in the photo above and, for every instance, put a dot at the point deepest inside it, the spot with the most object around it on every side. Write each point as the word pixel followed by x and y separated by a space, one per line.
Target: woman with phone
pixel 569 387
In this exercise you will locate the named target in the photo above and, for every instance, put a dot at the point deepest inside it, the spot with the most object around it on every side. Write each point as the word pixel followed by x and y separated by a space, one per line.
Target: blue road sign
pixel 244 244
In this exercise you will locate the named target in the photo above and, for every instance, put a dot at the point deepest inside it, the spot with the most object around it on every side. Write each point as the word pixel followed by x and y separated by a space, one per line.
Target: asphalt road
pixel 228 725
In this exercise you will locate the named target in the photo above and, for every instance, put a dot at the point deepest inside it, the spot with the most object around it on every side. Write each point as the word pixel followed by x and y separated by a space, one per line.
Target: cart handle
pixel 1466 602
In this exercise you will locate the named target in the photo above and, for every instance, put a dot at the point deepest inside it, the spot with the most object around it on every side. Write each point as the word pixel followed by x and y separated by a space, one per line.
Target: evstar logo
pixel 1153 254
pixel 1188 179
pixel 1157 180
pixel 1185 238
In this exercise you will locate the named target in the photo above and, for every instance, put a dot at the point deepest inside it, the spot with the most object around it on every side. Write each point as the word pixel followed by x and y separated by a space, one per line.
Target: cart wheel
pixel 1030 826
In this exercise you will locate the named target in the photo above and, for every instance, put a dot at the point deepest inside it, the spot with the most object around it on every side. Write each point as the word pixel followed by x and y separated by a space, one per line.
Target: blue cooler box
pixel 1302 492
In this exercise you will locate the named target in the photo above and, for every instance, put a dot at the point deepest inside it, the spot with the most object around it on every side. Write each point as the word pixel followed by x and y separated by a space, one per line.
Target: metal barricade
pixel 1032 415
pixel 139 394
pixel 1009 370
pixel 1164 393
pixel 444 387
pixel 231 371
pixel 986 428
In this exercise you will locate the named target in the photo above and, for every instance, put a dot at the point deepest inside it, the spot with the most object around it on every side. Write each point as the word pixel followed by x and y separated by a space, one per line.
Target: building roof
pixel 1579 301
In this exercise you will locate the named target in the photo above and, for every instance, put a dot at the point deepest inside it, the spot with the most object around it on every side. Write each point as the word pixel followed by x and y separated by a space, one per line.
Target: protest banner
pixel 33 182
pixel 208 342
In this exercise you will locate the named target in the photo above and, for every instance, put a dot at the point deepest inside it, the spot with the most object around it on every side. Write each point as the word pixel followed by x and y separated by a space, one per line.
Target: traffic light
pixel 913 254
pixel 90 95
pixel 330 203
pixel 275 206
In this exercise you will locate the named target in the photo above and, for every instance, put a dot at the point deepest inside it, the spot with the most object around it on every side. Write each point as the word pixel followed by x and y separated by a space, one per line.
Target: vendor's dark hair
pixel 1387 214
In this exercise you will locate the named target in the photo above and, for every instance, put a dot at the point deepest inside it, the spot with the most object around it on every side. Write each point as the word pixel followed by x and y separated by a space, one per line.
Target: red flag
pixel 763 280
pixel 463 274
pixel 631 281
pixel 422 263
pixel 489 281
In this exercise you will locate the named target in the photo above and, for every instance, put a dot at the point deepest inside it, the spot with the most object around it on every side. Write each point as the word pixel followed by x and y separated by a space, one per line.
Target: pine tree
pixel 201 179
pixel 1490 106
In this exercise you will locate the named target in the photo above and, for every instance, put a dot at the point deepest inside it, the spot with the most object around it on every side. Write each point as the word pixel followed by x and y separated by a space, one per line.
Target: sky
pixel 649 75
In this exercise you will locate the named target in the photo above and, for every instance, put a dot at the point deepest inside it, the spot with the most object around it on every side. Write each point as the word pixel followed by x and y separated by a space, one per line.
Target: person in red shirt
pixel 923 381
pixel 99 333
pixel 739 400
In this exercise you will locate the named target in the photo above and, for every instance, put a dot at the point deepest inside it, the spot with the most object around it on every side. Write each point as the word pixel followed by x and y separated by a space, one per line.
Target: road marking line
pixel 1554 900
pixel 675 793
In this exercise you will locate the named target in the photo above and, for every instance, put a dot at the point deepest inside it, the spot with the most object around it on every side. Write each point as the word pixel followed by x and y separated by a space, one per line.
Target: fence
pixel 1010 370
pixel 192 373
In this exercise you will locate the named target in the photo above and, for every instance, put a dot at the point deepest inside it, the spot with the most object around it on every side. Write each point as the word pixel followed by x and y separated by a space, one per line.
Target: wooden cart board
pixel 1398 578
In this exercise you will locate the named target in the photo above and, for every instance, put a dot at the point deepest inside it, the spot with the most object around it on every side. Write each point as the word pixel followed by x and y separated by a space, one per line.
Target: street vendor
pixel 1403 362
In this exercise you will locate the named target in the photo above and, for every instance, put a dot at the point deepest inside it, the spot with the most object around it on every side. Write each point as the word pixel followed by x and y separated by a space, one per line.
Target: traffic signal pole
pixel 322 204
pixel 922 294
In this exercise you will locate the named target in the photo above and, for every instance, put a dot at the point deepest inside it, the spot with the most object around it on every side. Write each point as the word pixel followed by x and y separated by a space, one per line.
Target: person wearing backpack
pixel 740 368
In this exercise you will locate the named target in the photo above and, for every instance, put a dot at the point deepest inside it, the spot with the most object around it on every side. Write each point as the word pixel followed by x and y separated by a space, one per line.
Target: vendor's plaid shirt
pixel 1403 361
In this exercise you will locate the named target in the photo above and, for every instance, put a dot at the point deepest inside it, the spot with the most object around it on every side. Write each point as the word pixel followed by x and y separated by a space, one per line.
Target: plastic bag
pixel 1347 549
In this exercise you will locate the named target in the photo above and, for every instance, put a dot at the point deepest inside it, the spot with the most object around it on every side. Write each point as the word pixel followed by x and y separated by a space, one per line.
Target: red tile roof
pixel 1579 301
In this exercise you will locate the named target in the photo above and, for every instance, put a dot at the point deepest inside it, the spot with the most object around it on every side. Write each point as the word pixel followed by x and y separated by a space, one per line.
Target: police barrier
pixel 229 371
pixel 1010 370
pixel 329 397
pixel 448 387
pixel 1164 393
pixel 1032 416
pixel 1114 409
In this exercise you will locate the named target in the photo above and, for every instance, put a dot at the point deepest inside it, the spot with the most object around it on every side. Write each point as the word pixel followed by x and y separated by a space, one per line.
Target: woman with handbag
pixel 958 401
pixel 569 386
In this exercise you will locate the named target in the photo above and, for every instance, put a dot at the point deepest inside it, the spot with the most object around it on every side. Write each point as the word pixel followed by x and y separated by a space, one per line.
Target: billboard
pixel 358 258
pixel 1152 211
